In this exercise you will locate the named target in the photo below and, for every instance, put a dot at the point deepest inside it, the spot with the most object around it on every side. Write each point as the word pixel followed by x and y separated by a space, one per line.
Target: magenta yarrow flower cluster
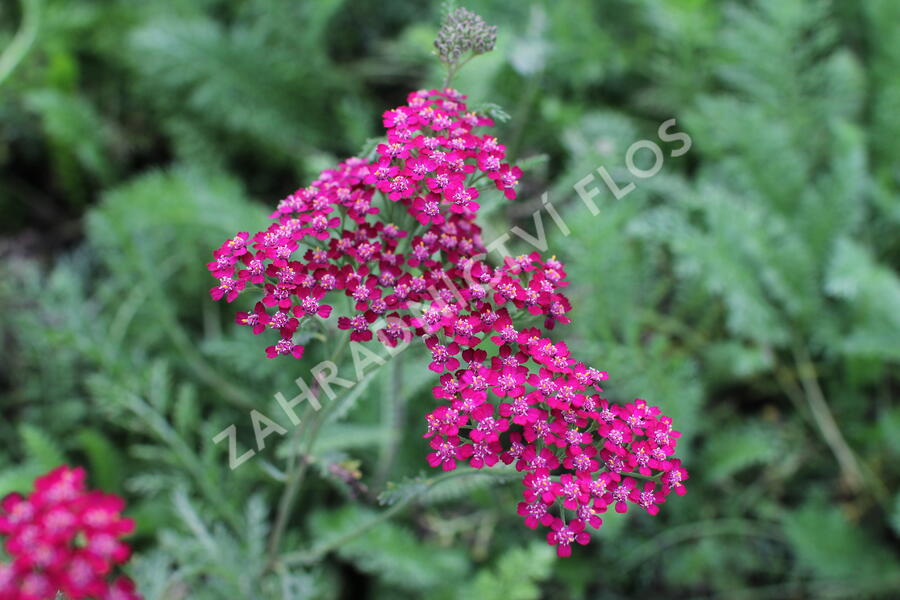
pixel 397 235
pixel 64 538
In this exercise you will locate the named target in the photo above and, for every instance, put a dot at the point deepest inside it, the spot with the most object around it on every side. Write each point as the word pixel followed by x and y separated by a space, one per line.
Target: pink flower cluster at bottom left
pixel 64 538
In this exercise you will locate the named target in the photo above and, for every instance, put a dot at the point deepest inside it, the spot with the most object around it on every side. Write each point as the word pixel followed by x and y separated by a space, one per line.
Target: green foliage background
pixel 750 288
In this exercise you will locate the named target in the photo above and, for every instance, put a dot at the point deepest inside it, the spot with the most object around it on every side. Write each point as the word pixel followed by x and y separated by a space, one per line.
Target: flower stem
pixel 24 39
pixel 297 471
pixel 394 415
pixel 696 530
pixel 831 433
pixel 311 556
pixel 448 77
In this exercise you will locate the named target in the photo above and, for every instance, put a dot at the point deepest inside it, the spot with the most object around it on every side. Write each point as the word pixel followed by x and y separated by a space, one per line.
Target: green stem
pixel 394 416
pixel 23 40
pixel 448 77
pixel 295 558
pixel 285 504
pixel 298 468
pixel 307 558
pixel 231 392
pixel 683 533
pixel 831 433
pixel 453 69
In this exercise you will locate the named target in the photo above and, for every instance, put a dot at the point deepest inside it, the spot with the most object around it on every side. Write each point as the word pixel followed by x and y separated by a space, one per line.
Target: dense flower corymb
pixel 384 233
pixel 398 236
pixel 64 538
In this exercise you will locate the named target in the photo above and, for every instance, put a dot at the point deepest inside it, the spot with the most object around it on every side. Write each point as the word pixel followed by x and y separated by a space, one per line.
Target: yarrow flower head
pixel 64 538
pixel 397 235
pixel 331 238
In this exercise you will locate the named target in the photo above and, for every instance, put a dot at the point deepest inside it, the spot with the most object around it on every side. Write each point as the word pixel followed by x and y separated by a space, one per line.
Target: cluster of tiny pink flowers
pixel 398 237
pixel 335 236
pixel 578 452
pixel 64 539
pixel 530 403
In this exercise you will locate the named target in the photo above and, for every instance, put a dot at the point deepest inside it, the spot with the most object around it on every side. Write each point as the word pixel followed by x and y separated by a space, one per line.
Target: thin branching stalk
pixel 297 473
pixel 394 403
pixel 831 433
pixel 24 39
pixel 312 556
pixel 698 529
pixel 852 471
